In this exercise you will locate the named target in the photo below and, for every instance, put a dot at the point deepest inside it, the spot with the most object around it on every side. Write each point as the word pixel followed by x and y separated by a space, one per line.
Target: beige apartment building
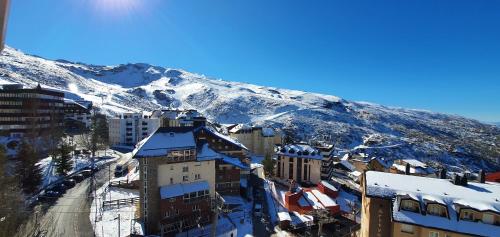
pixel 299 162
pixel 4 7
pixel 259 140
pixel 407 205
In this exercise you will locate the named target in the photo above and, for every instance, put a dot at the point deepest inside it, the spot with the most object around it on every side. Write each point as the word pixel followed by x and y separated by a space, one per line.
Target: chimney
pixel 442 173
pixel 463 181
pixel 407 170
pixel 482 176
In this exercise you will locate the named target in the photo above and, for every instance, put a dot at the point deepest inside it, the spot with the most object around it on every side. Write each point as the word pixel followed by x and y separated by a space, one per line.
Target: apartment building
pixel 261 141
pixel 30 110
pixel 408 205
pixel 4 9
pixel 130 128
pixel 299 162
pixel 181 170
pixel 77 113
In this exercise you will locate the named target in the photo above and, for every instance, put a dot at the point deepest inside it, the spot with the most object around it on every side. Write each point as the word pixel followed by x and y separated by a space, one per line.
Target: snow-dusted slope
pixel 375 129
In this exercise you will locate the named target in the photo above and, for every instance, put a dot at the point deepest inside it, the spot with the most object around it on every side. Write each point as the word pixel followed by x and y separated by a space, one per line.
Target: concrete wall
pixel 118 129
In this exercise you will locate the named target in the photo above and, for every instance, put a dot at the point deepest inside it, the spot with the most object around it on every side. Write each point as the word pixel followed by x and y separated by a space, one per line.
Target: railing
pixel 120 202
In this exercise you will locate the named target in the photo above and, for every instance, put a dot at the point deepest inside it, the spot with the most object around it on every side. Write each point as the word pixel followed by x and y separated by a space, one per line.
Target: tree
pixel 98 135
pixel 63 161
pixel 28 172
pixel 268 164
pixel 12 204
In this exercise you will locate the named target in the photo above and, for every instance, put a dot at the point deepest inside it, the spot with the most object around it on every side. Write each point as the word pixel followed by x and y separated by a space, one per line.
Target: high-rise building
pixel 131 128
pixel 33 110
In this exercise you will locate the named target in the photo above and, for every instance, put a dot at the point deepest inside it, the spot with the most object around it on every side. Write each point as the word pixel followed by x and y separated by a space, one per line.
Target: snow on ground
pixel 242 217
pixel 48 166
pixel 105 222
pixel 256 162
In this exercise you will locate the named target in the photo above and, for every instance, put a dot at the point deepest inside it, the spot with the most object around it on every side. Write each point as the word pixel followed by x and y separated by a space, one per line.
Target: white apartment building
pixel 131 128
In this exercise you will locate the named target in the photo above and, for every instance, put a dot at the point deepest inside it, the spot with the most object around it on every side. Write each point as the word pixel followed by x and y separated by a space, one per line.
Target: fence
pixel 120 202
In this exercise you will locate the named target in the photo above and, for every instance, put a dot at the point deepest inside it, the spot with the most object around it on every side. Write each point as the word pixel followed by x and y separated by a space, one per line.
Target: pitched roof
pixel 479 196
pixel 163 141
pixel 300 151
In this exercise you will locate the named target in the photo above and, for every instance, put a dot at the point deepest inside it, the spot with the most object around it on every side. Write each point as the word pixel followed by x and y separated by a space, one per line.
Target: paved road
pixel 69 216
pixel 261 225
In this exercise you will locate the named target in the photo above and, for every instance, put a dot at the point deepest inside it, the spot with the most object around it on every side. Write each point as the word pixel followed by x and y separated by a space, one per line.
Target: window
pixel 488 218
pixel 197 176
pixel 172 199
pixel 409 205
pixel 196 207
pixel 167 214
pixel 407 228
pixel 468 215
pixel 433 234
pixel 185 178
pixel 435 210
pixel 171 180
pixel 185 169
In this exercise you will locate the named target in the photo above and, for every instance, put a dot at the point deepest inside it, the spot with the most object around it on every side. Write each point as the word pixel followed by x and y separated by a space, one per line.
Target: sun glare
pixel 117 7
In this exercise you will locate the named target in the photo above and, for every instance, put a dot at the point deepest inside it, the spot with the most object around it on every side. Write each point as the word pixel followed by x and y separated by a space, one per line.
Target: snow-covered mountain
pixel 457 142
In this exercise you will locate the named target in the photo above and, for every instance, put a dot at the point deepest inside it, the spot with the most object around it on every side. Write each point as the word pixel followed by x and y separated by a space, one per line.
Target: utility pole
pixel 119 225
pixel 4 8
pixel 217 207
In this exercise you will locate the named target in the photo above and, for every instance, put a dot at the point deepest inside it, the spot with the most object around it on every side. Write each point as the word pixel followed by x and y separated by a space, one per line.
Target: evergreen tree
pixel 63 161
pixel 28 172
pixel 268 164
pixel 11 203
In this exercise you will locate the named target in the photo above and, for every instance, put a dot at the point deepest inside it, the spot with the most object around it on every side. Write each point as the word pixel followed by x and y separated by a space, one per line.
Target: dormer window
pixel 410 205
pixel 436 209
pixel 467 215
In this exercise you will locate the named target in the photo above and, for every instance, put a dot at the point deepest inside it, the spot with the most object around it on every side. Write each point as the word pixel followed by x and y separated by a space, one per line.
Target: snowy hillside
pixel 375 129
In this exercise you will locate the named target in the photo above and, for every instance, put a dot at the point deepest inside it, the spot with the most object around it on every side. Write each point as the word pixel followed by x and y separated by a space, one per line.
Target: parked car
pixel 49 196
pixel 257 210
pixel 69 183
pixel 78 177
pixel 60 188
pixel 86 173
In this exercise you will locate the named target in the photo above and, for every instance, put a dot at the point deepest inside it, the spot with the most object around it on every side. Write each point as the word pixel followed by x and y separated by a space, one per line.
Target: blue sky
pixel 442 55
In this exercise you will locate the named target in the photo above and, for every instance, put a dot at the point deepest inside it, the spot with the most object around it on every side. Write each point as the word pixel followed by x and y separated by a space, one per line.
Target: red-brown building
pixel 493 177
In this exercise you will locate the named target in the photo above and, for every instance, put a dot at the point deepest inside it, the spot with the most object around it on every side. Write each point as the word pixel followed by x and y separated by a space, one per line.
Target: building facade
pixel 260 141
pixel 130 128
pixel 30 110
pixel 299 162
pixel 77 114
pixel 182 170
pixel 408 205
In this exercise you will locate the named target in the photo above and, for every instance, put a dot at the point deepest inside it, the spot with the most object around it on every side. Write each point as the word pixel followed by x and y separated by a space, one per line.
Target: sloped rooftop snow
pixel 227 138
pixel 324 199
pixel 483 197
pixel 292 150
pixel 176 190
pixel 239 127
pixel 268 132
pixel 414 163
pixel 160 142
pixel 206 153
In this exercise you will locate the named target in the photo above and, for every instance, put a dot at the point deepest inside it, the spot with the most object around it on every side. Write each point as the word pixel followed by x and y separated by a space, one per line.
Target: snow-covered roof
pixel 163 141
pixel 300 151
pixel 222 136
pixel 268 132
pixel 413 170
pixel 345 162
pixel 479 196
pixel 324 199
pixel 414 163
pixel 239 127
pixel 206 153
pixel 328 185
pixel 176 190
pixel 284 216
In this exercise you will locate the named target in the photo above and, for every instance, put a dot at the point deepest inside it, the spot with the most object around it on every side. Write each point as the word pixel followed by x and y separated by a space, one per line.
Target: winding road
pixel 69 215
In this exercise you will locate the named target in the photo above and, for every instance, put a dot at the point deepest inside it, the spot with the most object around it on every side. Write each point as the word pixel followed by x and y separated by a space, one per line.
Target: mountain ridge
pixel 391 132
